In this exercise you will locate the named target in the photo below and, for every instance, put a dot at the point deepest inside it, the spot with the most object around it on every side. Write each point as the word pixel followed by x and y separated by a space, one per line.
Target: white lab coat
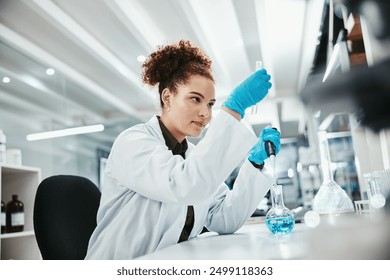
pixel 147 189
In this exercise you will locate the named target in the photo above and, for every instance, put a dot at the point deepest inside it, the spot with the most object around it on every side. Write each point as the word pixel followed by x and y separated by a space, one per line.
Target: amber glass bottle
pixel 15 215
pixel 2 217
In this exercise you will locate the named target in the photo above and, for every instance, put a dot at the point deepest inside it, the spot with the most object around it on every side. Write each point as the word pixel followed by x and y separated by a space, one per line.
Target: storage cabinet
pixel 23 181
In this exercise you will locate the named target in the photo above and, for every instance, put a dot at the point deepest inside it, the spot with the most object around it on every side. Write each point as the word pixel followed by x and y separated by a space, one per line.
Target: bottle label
pixel 3 219
pixel 17 219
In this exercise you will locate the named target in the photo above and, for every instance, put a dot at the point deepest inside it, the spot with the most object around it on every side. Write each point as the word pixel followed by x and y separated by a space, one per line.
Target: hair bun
pixel 173 60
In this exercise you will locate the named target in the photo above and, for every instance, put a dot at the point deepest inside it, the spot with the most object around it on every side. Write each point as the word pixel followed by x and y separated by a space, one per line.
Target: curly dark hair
pixel 173 64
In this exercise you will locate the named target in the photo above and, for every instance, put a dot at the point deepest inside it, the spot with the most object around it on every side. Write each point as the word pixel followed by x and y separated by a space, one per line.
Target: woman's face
pixel 187 112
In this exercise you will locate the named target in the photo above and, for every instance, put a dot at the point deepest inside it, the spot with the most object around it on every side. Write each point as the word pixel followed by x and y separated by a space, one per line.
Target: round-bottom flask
pixel 279 219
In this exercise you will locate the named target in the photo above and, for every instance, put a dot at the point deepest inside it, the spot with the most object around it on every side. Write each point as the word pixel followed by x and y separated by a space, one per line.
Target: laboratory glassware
pixel 330 198
pixel 279 219
pixel 255 108
pixel 375 182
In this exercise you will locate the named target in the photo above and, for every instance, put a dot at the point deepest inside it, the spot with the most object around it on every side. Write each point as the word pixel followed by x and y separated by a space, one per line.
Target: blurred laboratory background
pixel 67 64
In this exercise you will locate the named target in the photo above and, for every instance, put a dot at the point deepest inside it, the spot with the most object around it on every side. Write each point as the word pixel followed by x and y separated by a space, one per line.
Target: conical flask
pixel 330 198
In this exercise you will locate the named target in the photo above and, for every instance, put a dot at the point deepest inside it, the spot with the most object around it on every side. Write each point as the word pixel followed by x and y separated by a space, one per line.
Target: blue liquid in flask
pixel 280 225
pixel 279 219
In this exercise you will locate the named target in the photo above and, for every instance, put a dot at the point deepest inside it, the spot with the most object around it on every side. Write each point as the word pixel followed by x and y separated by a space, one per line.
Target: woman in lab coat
pixel 159 189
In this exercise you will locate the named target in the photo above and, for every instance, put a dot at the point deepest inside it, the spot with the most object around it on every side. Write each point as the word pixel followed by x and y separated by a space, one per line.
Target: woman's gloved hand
pixel 249 92
pixel 258 153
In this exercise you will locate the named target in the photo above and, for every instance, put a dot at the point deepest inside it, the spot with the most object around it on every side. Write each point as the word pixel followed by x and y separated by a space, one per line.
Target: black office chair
pixel 64 217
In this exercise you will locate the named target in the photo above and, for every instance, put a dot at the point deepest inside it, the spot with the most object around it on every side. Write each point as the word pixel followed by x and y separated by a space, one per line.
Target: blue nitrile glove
pixel 249 92
pixel 258 153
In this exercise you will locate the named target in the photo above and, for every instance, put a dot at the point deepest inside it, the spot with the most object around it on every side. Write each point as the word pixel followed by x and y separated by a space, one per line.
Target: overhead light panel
pixel 141 18
pixel 65 132
pixel 141 58
pixel 79 33
pixel 40 54
pixel 213 20
pixel 50 71
pixel 6 80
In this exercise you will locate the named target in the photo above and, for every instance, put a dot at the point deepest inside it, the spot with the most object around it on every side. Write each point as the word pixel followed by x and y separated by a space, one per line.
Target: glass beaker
pixel 375 194
pixel 330 198
pixel 279 219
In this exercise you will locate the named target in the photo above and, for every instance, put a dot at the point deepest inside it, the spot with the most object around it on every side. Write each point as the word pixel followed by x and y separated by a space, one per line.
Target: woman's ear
pixel 165 97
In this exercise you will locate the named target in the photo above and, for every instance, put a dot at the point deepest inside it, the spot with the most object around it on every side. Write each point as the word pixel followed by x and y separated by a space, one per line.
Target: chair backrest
pixel 64 217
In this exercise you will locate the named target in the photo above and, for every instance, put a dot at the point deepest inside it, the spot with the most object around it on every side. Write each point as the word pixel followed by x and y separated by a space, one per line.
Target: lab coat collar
pixel 153 123
pixel 172 143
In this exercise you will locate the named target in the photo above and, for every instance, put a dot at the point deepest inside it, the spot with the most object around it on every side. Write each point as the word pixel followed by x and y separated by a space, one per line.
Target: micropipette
pixel 279 219
pixel 271 152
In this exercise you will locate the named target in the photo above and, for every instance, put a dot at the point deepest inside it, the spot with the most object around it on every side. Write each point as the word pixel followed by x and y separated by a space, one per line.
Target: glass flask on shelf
pixel 279 219
pixel 330 198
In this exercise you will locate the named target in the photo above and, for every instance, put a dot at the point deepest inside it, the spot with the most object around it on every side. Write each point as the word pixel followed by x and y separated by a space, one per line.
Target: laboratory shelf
pixel 17 234
pixel 23 181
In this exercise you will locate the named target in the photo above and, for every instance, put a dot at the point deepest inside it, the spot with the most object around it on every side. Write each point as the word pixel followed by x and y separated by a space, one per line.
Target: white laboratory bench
pixel 348 237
